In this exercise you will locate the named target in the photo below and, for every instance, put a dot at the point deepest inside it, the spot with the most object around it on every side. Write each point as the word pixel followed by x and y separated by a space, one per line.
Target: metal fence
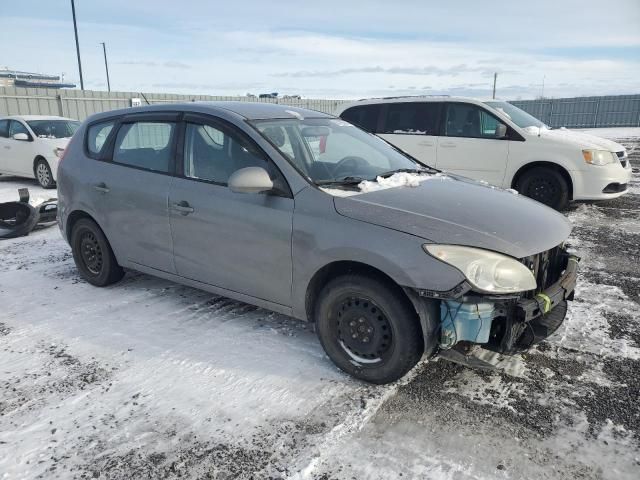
pixel 585 112
pixel 80 104
pixel 609 111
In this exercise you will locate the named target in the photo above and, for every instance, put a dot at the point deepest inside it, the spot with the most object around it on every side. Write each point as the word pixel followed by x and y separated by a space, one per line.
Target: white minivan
pixel 31 145
pixel 496 142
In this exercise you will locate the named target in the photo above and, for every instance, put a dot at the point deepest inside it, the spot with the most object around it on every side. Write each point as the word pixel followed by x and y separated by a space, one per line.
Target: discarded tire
pixel 17 219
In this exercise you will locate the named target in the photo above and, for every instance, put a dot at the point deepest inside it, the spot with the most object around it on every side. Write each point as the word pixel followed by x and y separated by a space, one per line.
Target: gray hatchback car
pixel 302 213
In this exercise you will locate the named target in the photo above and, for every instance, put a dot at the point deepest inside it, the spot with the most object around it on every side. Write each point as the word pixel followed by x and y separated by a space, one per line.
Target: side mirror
pixel 501 130
pixel 21 136
pixel 250 180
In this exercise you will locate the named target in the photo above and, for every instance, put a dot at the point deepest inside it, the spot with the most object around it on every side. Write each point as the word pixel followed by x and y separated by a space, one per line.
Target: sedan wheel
pixel 44 175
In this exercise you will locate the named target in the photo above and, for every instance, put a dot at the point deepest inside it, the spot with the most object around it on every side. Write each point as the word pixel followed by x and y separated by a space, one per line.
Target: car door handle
pixel 425 144
pixel 8 147
pixel 183 207
pixel 101 187
pixel 447 145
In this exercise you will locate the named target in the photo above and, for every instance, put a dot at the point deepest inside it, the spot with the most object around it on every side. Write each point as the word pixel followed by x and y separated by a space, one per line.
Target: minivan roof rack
pixel 402 96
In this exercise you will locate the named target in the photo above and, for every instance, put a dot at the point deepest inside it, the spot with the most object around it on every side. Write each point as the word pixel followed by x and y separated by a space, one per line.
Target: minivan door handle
pixel 101 187
pixel 183 207
pixel 447 145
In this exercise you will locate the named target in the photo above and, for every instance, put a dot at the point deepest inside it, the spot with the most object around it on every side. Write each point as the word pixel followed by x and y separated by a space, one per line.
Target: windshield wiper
pixel 342 181
pixel 406 170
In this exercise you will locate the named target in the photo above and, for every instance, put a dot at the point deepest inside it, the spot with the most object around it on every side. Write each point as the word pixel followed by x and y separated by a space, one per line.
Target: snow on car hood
pixel 580 139
pixel 400 179
pixel 461 212
pixel 55 142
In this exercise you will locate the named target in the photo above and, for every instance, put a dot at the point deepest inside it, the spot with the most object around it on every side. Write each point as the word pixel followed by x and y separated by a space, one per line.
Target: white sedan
pixel 32 145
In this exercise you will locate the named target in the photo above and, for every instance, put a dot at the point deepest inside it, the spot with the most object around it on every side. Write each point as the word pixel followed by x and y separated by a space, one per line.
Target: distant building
pixel 14 78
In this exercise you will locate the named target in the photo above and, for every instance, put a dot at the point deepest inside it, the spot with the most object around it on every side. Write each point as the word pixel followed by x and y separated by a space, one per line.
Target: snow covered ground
pixel 150 379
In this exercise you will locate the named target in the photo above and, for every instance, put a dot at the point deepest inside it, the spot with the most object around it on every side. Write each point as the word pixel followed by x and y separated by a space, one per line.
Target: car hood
pixel 457 211
pixel 579 139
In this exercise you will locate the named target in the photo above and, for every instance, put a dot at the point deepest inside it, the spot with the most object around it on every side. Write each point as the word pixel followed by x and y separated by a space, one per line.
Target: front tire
pixel 43 174
pixel 368 328
pixel 545 185
pixel 93 255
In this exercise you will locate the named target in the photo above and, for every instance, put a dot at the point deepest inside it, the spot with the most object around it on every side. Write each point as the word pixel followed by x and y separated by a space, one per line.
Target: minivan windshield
pixel 54 128
pixel 330 150
pixel 517 116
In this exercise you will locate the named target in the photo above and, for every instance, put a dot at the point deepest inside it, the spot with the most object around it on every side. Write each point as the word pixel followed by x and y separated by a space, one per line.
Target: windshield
pixel 331 150
pixel 517 116
pixel 54 128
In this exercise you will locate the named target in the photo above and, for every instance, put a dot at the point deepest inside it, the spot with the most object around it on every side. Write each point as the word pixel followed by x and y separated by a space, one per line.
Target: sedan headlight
pixel 599 157
pixel 486 271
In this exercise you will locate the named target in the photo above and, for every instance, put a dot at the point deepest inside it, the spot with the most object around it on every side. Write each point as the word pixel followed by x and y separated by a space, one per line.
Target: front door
pixel 236 241
pixel 131 191
pixel 469 145
pixel 20 154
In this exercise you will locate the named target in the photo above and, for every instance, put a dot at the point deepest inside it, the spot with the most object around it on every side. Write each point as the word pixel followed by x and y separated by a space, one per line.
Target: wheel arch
pixel 543 163
pixel 73 218
pixel 344 267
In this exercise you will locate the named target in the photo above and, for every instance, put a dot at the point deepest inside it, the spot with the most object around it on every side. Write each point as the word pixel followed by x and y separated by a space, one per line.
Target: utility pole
pixel 542 94
pixel 106 65
pixel 75 29
pixel 495 79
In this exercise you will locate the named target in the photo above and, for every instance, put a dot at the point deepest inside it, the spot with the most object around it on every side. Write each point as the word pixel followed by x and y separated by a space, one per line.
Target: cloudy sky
pixel 333 49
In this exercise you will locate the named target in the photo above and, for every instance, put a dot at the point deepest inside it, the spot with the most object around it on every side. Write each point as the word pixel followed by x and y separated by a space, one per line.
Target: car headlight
pixel 599 157
pixel 58 152
pixel 486 271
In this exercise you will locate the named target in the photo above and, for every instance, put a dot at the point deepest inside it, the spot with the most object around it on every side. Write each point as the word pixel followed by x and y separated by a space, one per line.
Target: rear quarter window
pixel 97 135
pixel 4 128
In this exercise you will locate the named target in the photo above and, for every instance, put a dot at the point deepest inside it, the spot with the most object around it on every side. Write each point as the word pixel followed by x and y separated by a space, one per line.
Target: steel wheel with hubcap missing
pixel 368 328
pixel 545 185
pixel 93 255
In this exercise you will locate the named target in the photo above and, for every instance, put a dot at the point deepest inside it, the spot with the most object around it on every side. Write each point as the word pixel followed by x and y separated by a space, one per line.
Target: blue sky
pixel 333 49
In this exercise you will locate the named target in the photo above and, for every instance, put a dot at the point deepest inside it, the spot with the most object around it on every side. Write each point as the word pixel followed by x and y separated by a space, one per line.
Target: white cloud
pixel 336 49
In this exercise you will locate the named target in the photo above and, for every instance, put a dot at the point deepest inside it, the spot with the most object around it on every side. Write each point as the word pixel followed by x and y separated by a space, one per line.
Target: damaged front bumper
pixel 506 323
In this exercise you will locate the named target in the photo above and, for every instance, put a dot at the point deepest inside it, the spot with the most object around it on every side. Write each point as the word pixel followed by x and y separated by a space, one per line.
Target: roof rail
pixel 402 96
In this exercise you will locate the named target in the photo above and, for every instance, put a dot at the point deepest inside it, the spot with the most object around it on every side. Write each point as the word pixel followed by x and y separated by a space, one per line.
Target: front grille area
pixel 622 158
pixel 547 267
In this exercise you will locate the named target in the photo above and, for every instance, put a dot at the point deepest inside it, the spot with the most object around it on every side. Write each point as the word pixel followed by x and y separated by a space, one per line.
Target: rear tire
pixel 43 174
pixel 93 255
pixel 368 328
pixel 545 185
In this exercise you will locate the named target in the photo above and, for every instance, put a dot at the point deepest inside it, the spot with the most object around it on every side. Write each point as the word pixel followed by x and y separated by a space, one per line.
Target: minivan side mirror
pixel 501 130
pixel 21 136
pixel 250 180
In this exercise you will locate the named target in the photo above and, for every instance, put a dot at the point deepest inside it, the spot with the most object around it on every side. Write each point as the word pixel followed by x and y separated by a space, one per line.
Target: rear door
pixel 131 188
pixel 469 145
pixel 236 241
pixel 413 128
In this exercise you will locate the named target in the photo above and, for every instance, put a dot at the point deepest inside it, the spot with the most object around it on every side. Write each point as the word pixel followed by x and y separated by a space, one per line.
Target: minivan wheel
pixel 545 185
pixel 368 328
pixel 93 255
pixel 43 174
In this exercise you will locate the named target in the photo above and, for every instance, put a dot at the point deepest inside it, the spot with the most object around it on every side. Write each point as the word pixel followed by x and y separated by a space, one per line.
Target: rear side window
pixel 412 118
pixel 471 121
pixel 145 145
pixel 364 116
pixel 4 128
pixel 97 136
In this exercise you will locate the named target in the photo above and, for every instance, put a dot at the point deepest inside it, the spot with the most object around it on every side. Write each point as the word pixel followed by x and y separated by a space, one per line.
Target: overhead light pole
pixel 495 79
pixel 106 65
pixel 75 30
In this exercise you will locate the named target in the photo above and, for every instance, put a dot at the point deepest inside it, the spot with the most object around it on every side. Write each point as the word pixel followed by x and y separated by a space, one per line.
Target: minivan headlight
pixel 485 270
pixel 599 157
